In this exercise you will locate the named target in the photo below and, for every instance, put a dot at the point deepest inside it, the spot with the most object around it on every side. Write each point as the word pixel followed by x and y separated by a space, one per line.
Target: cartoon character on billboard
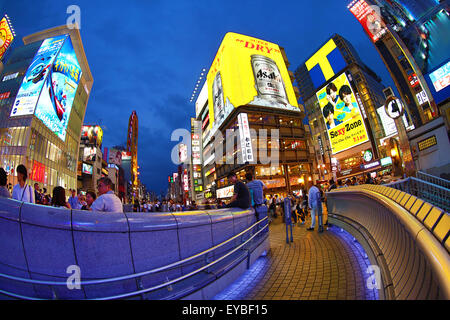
pixel 38 72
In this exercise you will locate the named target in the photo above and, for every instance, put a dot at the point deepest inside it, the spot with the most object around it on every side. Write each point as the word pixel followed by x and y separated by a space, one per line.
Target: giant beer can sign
pixel 247 71
pixel 268 81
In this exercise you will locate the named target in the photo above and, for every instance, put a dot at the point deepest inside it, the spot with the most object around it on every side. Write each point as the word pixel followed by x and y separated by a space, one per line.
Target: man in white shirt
pixel 107 201
pixel 22 191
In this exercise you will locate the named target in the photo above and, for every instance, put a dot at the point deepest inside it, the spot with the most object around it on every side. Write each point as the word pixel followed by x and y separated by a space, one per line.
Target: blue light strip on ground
pixel 240 289
pixel 363 259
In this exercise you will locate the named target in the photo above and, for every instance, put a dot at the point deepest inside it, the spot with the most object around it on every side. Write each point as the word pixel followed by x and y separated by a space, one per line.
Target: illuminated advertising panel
pixel 325 63
pixel 196 142
pixel 389 123
pixel 226 192
pixel 89 154
pixel 36 75
pixel 182 152
pixel 55 103
pixel 386 161
pixel 247 71
pixel 5 95
pixel 369 19
pixel 343 119
pixel 439 82
pixel 92 135
pixel 185 182
pixel 38 172
pixel 427 143
pixel 87 168
pixel 115 157
pixel 6 36
pixel 201 100
pixel 126 155
pixel 246 139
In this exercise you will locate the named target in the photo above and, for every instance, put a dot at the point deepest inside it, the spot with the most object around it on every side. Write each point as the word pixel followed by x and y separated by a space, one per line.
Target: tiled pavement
pixel 326 266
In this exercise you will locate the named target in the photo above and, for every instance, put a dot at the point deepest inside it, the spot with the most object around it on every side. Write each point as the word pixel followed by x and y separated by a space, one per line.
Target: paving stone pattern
pixel 315 266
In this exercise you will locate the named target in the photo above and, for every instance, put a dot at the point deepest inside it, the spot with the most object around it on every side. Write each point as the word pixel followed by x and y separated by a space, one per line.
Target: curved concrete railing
pixel 120 254
pixel 407 238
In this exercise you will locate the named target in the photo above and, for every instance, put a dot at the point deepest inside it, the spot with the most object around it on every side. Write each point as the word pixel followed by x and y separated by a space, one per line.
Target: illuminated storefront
pixel 40 124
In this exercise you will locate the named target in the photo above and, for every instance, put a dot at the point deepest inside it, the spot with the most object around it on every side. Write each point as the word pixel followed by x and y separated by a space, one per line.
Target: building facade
pixel 412 40
pixel 46 142
pixel 413 44
pixel 340 150
pixel 251 121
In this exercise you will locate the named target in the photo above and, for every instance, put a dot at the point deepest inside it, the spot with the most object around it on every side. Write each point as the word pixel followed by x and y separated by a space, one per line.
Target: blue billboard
pixel 35 76
pixel 438 81
pixel 55 102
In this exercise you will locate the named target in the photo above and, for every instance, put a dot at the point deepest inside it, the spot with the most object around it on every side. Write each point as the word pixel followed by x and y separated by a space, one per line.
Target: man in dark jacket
pixel 241 196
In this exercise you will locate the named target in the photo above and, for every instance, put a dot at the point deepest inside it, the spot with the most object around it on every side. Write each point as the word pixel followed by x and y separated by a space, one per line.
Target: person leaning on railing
pixel 107 201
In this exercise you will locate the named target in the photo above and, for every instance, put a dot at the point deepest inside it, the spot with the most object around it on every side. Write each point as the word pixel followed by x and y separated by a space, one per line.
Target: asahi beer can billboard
pixel 268 81
pixel 247 71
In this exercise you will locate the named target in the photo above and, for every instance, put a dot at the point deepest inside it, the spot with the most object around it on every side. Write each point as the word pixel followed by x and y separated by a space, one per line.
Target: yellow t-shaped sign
pixel 320 58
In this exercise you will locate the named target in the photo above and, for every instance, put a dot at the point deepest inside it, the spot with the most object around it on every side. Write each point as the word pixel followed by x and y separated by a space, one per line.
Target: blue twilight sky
pixel 147 56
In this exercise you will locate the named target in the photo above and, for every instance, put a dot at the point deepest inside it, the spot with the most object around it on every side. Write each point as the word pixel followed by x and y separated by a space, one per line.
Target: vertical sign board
pixel 245 137
pixel 196 141
pixel 369 19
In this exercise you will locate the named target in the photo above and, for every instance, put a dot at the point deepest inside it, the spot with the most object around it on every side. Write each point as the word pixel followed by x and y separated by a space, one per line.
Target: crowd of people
pixel 163 206
pixel 251 194
pixel 104 201
pixel 248 194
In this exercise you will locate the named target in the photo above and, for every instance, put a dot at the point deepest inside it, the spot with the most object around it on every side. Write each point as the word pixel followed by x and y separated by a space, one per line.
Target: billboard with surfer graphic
pixel 49 86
